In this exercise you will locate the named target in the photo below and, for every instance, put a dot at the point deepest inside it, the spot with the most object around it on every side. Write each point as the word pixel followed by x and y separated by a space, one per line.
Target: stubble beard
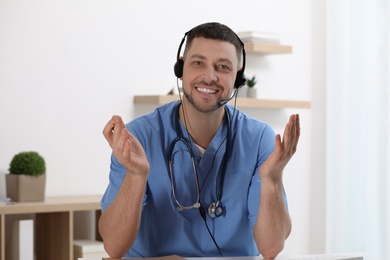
pixel 197 106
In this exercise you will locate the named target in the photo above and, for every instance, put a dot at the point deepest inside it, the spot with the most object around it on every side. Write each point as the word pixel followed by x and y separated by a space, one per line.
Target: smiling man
pixel 197 177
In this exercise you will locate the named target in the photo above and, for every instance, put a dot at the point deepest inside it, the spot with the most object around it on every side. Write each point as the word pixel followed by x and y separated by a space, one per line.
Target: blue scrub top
pixel 166 231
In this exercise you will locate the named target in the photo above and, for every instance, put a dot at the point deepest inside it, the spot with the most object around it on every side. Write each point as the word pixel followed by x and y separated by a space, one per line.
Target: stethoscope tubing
pixel 222 171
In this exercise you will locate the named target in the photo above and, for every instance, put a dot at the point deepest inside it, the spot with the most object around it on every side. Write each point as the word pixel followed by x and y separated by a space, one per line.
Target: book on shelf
pixel 257 36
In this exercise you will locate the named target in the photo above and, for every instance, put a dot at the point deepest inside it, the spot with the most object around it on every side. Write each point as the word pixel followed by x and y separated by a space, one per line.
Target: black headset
pixel 240 77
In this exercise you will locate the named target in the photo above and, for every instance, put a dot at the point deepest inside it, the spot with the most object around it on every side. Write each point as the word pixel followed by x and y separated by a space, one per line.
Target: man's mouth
pixel 206 90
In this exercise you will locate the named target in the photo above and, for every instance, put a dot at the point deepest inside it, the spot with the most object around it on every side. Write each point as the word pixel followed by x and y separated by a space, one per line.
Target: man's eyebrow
pixel 199 56
pixel 226 60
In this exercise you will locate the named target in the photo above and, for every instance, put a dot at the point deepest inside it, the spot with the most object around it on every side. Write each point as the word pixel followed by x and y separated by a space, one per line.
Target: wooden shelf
pixel 241 102
pixel 266 48
pixel 251 48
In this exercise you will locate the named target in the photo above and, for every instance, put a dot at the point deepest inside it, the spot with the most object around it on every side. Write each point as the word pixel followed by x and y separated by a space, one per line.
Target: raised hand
pixel 125 147
pixel 273 167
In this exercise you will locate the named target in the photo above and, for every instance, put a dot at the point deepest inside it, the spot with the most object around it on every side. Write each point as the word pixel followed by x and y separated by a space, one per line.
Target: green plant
pixel 27 163
pixel 251 82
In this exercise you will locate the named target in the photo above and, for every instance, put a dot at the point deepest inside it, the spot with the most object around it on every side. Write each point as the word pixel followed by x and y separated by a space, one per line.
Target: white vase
pixel 251 93
pixel 242 92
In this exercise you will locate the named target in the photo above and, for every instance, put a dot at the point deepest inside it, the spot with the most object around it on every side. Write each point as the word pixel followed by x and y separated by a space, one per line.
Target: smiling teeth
pixel 206 90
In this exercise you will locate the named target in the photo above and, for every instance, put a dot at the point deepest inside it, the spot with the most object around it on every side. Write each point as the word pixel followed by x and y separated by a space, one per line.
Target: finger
pixel 278 150
pixel 117 128
pixel 115 121
pixel 107 131
pixel 122 137
pixel 290 137
pixel 293 133
pixel 287 133
pixel 297 132
pixel 118 124
pixel 126 153
pixel 107 128
pixel 298 126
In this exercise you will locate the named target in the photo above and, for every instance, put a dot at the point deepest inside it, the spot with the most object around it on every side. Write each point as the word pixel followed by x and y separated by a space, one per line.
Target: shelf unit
pixel 53 224
pixel 266 48
pixel 250 48
pixel 241 102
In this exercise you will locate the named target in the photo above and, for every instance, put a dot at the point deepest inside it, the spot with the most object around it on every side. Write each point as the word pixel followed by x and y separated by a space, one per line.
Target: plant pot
pixel 251 93
pixel 25 188
pixel 242 92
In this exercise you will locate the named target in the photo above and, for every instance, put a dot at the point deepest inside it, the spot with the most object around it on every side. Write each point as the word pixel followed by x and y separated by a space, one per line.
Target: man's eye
pixel 224 67
pixel 198 63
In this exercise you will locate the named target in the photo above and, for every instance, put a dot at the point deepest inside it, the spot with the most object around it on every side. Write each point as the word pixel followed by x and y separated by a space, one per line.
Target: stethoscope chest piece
pixel 215 209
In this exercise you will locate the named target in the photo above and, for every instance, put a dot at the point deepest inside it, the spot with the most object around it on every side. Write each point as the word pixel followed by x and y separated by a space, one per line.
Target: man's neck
pixel 201 126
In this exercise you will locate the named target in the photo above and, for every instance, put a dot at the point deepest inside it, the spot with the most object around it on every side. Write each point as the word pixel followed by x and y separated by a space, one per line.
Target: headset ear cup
pixel 240 79
pixel 178 68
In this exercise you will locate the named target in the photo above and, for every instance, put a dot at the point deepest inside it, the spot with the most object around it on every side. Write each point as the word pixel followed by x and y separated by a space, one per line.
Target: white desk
pixel 299 257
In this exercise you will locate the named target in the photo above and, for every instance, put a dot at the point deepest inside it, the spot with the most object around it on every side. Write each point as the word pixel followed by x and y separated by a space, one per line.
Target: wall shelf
pixel 266 48
pixel 241 102
pixel 250 48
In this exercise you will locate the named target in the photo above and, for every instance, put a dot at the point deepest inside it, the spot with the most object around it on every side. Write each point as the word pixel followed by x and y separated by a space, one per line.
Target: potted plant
pixel 251 82
pixel 26 180
pixel 242 91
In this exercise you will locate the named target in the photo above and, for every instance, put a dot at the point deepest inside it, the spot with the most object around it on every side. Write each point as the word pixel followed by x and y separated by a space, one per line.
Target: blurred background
pixel 67 66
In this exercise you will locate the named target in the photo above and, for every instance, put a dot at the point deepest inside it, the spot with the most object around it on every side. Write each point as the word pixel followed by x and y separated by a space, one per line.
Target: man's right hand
pixel 125 147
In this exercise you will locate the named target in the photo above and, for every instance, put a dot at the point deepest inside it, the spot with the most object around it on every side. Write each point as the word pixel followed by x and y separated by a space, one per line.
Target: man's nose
pixel 210 74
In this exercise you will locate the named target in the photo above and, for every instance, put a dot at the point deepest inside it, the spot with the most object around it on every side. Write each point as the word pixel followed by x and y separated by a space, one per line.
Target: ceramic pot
pixel 252 93
pixel 25 188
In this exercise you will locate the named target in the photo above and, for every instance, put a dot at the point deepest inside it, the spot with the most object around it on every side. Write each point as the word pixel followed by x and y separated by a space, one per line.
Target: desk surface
pixel 298 257
pixel 53 204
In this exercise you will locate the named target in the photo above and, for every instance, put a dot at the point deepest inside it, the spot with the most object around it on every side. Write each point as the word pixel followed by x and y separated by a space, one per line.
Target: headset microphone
pixel 225 101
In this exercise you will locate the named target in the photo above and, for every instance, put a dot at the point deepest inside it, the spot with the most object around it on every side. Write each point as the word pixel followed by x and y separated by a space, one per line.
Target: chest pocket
pixel 239 186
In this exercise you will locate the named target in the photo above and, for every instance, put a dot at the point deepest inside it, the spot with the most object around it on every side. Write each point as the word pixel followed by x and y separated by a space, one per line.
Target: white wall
pixel 67 66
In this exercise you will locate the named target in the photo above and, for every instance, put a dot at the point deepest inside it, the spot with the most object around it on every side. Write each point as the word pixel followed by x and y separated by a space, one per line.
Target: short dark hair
pixel 215 31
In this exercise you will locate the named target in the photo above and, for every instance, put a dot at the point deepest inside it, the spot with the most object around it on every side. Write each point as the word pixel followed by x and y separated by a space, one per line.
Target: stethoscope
pixel 215 208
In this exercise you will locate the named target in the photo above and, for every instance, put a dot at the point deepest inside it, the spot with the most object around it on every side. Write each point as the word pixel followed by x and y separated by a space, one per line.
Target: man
pixel 197 177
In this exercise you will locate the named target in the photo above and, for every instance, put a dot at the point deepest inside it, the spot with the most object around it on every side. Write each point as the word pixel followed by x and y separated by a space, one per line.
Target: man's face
pixel 210 68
